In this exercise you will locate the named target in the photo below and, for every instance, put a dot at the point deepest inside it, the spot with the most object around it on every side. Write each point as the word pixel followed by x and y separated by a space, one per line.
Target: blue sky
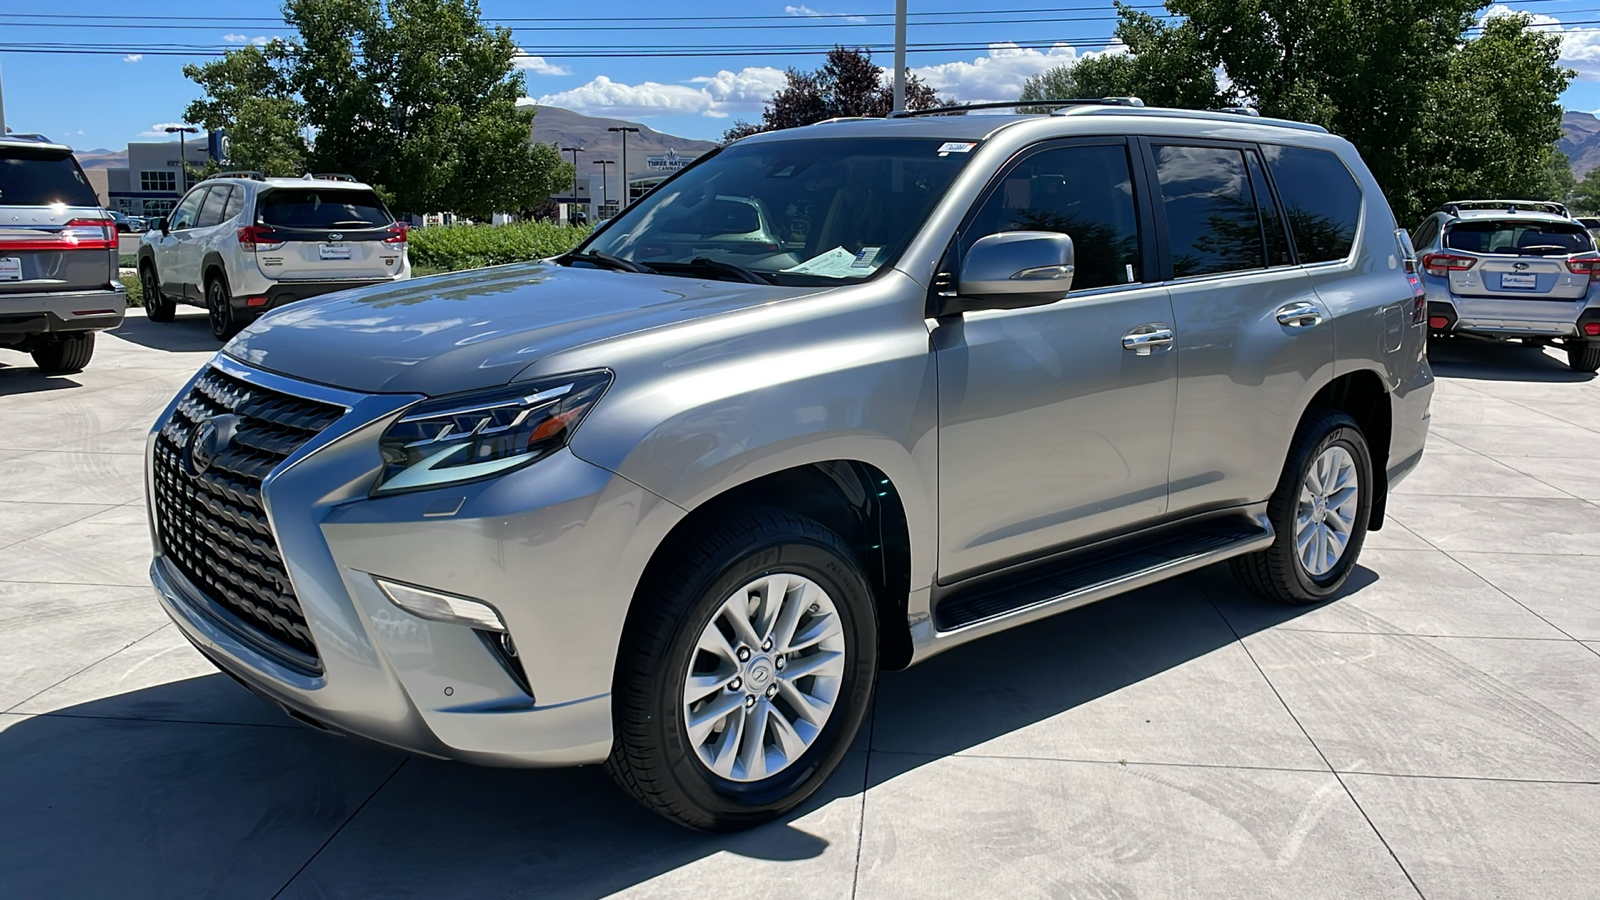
pixel 95 101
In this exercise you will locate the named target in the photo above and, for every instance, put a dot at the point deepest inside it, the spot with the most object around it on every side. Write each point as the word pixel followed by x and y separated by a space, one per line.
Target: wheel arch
pixel 213 264
pixel 1363 395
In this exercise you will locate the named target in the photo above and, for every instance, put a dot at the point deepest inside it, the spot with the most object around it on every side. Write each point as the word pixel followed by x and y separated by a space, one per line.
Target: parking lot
pixel 1435 731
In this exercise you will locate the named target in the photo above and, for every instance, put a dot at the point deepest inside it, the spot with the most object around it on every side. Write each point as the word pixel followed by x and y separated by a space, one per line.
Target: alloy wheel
pixel 1325 516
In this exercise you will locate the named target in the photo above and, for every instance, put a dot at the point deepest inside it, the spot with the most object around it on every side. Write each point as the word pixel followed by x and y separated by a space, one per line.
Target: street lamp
pixel 627 191
pixel 605 193
pixel 183 159
pixel 574 151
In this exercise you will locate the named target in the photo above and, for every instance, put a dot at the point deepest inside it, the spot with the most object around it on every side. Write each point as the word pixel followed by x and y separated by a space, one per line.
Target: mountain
pixel 1580 141
pixel 102 159
pixel 565 128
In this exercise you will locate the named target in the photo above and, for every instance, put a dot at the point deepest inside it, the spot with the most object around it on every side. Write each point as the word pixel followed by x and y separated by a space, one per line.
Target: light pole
pixel 574 151
pixel 183 159
pixel 627 191
pixel 605 192
pixel 899 55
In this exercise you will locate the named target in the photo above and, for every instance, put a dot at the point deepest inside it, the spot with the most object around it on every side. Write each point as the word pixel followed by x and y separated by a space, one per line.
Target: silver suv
pixel 671 501
pixel 58 256
pixel 240 244
pixel 1513 269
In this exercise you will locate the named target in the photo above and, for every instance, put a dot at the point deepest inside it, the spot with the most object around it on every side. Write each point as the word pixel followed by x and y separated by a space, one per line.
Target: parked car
pixel 672 509
pixel 240 244
pixel 127 224
pixel 1590 224
pixel 1513 269
pixel 58 256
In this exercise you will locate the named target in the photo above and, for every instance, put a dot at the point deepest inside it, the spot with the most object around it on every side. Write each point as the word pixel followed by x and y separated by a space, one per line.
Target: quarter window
pixel 1085 193
pixel 1212 218
pixel 158 181
pixel 1321 199
pixel 211 210
pixel 235 204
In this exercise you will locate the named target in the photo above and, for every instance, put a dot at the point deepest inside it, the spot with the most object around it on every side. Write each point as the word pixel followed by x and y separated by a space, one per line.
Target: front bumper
pixel 557 547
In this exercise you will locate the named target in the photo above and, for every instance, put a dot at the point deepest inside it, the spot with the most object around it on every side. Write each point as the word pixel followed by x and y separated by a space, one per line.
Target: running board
pixel 1101 571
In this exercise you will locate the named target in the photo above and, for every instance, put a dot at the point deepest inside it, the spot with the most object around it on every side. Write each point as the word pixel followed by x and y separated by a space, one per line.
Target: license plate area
pixel 335 251
pixel 10 268
pixel 1514 281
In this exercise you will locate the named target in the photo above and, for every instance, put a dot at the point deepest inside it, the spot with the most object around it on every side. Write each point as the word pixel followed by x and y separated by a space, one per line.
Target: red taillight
pixel 78 234
pixel 1592 329
pixel 1585 266
pixel 257 237
pixel 396 233
pixel 1440 265
pixel 1419 309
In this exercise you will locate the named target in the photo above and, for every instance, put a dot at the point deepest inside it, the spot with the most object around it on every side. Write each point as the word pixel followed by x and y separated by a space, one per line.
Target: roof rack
pixel 1015 104
pixel 1241 111
pixel 27 136
pixel 244 173
pixel 330 176
pixel 1454 207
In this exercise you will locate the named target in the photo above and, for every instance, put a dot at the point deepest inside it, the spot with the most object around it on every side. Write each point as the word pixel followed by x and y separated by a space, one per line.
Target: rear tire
pixel 689 691
pixel 157 308
pixel 65 354
pixel 1584 356
pixel 1317 540
pixel 225 322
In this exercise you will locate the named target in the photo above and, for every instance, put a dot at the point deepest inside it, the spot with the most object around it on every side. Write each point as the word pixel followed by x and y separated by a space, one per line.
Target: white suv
pixel 240 244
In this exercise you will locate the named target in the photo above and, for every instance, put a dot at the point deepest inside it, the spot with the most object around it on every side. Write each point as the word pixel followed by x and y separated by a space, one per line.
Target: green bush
pixel 128 261
pixel 446 248
pixel 135 290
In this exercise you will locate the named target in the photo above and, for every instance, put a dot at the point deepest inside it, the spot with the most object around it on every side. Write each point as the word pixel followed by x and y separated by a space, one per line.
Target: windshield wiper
pixel 706 264
pixel 605 260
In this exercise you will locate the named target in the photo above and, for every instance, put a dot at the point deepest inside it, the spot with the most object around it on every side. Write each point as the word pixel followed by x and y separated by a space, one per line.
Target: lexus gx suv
pixel 670 502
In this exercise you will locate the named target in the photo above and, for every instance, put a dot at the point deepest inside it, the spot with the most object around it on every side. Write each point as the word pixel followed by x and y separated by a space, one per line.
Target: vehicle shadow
pixel 189 331
pixel 188 789
pixel 18 375
pixel 1490 360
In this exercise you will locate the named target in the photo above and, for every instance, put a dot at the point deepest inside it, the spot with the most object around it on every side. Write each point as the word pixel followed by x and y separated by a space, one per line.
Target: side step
pixel 1102 570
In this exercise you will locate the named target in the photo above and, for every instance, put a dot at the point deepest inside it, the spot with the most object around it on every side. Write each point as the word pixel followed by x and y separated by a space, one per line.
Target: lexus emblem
pixel 209 439
pixel 1520 267
pixel 335 236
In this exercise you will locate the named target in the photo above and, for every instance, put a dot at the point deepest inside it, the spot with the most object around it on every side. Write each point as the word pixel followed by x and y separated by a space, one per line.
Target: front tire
pixel 1584 356
pixel 745 670
pixel 65 354
pixel 157 308
pixel 225 322
pixel 1319 512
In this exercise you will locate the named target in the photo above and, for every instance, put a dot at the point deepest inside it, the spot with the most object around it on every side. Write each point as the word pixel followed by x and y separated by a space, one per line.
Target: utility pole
pixel 899 55
pixel 3 128
pixel 605 193
pixel 627 191
pixel 183 158
pixel 574 151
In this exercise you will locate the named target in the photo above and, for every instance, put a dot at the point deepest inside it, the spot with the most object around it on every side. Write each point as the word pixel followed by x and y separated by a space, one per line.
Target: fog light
pixel 442 607
pixel 1438 322
pixel 1592 329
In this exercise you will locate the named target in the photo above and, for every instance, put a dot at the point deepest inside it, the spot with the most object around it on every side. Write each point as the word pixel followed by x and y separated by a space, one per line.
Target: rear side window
pixel 31 177
pixel 1321 199
pixel 235 204
pixel 1516 238
pixel 1212 219
pixel 322 208
pixel 1425 233
pixel 211 209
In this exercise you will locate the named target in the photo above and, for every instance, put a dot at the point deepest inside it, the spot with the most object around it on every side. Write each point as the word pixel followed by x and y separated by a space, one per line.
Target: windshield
pixel 30 177
pixel 1519 238
pixel 809 211
pixel 323 208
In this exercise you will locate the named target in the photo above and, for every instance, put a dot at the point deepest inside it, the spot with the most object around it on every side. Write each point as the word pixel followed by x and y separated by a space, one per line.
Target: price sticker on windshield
pixel 949 147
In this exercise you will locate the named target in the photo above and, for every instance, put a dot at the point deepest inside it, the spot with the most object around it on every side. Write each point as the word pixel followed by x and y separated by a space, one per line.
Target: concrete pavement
pixel 1434 732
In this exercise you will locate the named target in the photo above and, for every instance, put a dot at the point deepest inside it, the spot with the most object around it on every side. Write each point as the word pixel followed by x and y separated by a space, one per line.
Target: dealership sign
pixel 670 162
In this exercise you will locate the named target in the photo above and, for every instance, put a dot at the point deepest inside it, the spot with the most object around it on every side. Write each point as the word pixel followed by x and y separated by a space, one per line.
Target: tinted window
pixel 1271 223
pixel 31 177
pixel 322 208
pixel 188 208
pixel 235 204
pixel 1522 238
pixel 1425 233
pixel 1321 199
pixel 1212 220
pixel 211 209
pixel 1085 193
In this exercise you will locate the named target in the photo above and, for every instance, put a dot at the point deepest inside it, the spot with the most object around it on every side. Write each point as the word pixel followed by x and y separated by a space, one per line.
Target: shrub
pixel 135 290
pixel 446 248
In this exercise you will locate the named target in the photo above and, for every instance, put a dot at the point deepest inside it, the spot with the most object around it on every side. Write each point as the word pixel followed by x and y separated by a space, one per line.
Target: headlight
pixel 470 436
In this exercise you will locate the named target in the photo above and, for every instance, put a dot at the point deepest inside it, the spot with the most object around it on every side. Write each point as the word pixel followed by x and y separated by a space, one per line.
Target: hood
pixel 466 330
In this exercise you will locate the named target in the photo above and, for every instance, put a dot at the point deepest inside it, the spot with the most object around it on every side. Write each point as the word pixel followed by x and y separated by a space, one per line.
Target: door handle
pixel 1147 338
pixel 1299 315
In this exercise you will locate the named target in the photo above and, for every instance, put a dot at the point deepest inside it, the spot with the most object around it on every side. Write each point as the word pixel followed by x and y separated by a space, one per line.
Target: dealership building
pixel 600 196
pixel 154 180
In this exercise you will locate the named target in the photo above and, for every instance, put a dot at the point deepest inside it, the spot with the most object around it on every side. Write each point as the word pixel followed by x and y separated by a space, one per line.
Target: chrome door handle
pixel 1299 315
pixel 1146 338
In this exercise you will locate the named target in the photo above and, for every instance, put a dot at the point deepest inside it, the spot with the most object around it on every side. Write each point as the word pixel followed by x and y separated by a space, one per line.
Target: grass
pixel 449 248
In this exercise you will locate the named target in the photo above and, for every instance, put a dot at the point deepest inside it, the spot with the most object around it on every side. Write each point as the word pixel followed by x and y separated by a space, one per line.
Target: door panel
pixel 174 249
pixel 1052 431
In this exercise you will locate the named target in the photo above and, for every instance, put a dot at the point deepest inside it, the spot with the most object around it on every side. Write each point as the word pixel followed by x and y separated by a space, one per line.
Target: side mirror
pixel 1012 270
pixel 159 223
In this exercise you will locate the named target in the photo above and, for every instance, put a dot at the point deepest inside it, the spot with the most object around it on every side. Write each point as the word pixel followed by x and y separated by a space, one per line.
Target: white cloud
pixel 1580 47
pixel 133 57
pixel 538 65
pixel 259 40
pixel 999 75
pixel 807 12
pixel 236 38
pixel 715 96
pixel 160 130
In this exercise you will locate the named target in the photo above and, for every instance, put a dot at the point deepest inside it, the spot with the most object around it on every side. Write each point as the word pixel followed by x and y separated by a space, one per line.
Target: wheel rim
pixel 152 291
pixel 765 677
pixel 1325 518
pixel 217 308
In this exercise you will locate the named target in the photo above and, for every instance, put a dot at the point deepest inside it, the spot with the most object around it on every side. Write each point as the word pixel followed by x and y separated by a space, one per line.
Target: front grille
pixel 210 517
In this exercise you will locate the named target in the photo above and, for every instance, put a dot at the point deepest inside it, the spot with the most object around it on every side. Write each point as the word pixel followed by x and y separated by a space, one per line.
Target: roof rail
pixel 1209 114
pixel 29 137
pixel 1241 111
pixel 243 173
pixel 330 176
pixel 1454 207
pixel 1016 104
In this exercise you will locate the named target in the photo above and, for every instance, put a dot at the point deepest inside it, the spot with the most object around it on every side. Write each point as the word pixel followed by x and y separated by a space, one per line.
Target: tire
pixel 1584 356
pixel 676 612
pixel 225 321
pixel 64 355
pixel 157 308
pixel 1280 572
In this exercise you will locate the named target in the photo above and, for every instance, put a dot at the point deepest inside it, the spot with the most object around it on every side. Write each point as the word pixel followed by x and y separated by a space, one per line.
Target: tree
pixel 848 84
pixel 416 97
pixel 1586 193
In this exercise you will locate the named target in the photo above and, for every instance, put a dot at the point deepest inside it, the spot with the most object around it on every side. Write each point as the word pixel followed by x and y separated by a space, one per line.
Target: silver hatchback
pixel 670 502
